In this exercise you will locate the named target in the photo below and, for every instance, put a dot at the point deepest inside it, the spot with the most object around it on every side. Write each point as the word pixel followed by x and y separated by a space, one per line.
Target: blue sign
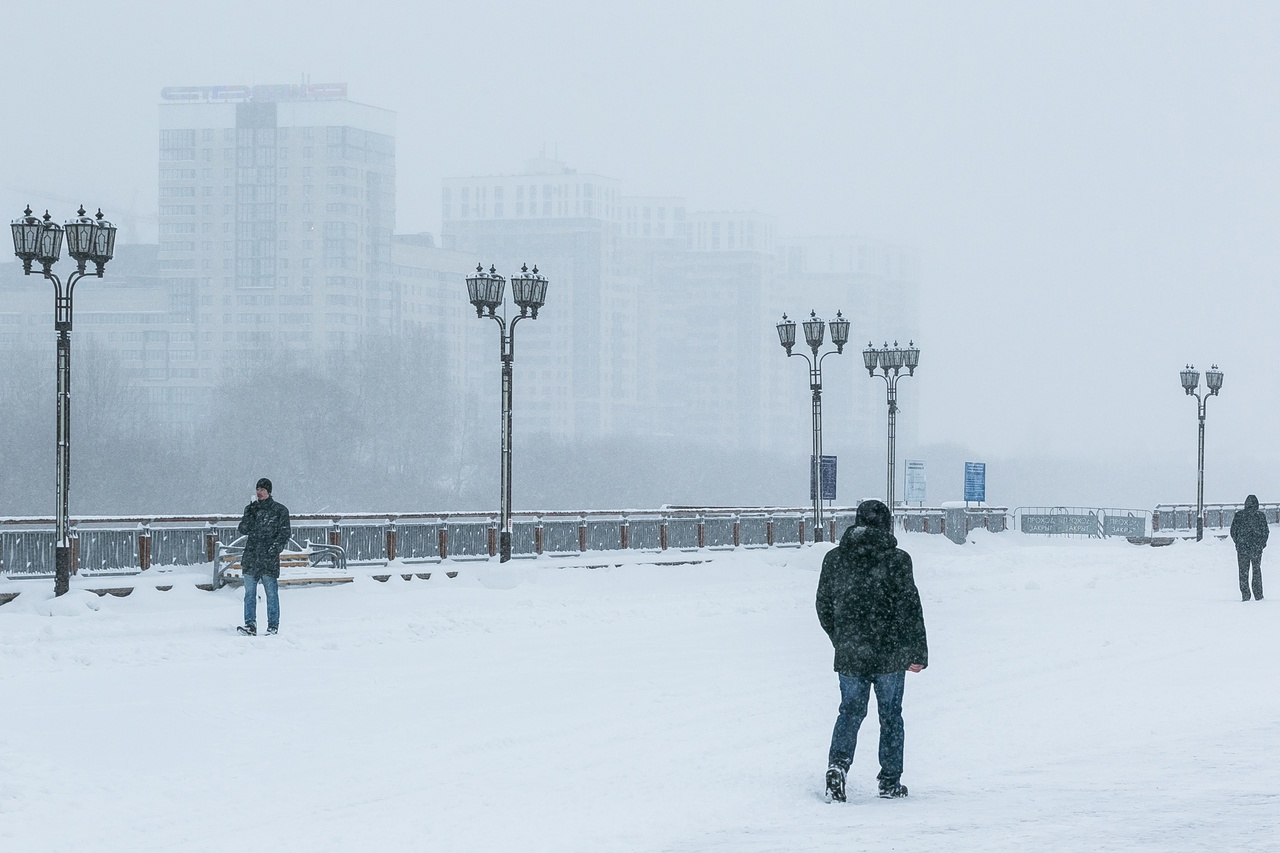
pixel 828 478
pixel 975 481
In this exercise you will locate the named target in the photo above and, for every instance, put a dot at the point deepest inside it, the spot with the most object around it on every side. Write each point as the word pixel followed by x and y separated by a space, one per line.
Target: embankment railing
pixel 128 545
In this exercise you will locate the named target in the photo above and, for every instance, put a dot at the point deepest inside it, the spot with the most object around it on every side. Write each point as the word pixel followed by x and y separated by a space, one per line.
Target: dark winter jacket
pixel 868 602
pixel 1249 528
pixel 266 523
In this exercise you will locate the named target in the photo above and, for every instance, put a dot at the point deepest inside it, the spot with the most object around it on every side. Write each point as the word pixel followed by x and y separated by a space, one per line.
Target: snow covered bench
pixel 312 563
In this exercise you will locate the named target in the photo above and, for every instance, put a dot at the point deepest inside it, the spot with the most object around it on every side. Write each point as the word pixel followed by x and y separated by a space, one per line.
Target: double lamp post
pixel 529 291
pixel 1191 385
pixel 814 331
pixel 90 240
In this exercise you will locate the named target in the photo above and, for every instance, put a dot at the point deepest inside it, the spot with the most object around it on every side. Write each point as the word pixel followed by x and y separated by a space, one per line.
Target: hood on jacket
pixel 874 513
pixel 872 528
pixel 862 539
pixel 1251 502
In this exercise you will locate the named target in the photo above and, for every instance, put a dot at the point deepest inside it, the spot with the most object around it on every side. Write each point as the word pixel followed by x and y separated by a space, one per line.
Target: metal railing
pixel 134 544
pixel 1167 517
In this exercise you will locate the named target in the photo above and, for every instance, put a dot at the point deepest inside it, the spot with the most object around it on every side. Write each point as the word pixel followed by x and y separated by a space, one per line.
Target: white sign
pixel 915 482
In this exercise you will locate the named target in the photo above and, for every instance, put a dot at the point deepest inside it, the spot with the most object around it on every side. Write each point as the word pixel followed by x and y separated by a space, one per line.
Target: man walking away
pixel 266 524
pixel 870 608
pixel 1249 531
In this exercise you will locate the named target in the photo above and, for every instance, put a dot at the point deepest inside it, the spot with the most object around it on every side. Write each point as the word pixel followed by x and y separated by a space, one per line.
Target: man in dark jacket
pixel 1249 531
pixel 266 525
pixel 870 608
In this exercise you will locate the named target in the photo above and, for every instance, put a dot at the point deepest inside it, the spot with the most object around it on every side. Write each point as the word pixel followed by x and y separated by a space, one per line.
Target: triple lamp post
pixel 89 241
pixel 814 329
pixel 1191 385
pixel 529 290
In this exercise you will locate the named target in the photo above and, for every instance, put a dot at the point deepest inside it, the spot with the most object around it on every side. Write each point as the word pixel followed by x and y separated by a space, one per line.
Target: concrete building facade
pixel 277 207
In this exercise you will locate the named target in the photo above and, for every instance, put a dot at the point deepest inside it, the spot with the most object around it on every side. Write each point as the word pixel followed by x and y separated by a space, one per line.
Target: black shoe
pixel 835 785
pixel 892 790
pixel 249 630
pixel 272 630
pixel 1244 598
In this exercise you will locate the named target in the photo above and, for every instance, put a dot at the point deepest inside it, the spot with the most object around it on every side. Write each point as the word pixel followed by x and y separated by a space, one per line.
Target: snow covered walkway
pixel 1081 696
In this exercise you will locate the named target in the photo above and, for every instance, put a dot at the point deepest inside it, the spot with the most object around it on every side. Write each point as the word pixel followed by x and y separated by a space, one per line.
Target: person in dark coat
pixel 266 525
pixel 1249 531
pixel 870 608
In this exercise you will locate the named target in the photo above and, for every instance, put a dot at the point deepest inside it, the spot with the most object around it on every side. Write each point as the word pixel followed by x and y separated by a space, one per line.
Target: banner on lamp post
pixel 828 478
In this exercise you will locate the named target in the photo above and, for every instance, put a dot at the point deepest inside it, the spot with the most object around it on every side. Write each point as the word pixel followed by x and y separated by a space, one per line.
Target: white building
pixel 277 206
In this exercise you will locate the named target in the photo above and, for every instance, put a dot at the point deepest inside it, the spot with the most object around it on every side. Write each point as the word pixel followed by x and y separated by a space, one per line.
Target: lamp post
pixel 1191 385
pixel 890 362
pixel 529 291
pixel 89 240
pixel 814 329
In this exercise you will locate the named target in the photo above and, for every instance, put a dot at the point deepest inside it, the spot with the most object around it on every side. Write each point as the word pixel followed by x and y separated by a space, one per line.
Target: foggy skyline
pixel 1091 190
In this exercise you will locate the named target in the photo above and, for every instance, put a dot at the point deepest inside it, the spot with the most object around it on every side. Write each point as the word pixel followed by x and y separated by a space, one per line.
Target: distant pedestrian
pixel 1249 531
pixel 870 608
pixel 266 525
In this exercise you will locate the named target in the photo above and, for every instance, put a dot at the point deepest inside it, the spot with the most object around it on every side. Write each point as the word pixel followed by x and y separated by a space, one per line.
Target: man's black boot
pixel 835 785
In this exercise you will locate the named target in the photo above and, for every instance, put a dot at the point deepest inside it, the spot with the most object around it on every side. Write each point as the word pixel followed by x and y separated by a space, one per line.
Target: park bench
pixel 311 563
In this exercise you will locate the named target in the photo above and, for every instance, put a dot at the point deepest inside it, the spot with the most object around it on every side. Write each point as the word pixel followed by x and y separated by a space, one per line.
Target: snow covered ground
pixel 1081 696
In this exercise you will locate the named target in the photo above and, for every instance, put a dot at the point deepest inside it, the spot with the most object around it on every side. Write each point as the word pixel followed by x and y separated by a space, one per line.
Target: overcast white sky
pixel 1092 188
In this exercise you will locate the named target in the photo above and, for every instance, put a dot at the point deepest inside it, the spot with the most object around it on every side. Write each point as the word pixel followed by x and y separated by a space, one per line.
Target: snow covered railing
pixel 129 545
pixel 1183 516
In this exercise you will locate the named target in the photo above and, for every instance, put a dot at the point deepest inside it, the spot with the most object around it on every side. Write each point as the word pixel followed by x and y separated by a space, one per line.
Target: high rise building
pixel 575 356
pixel 277 207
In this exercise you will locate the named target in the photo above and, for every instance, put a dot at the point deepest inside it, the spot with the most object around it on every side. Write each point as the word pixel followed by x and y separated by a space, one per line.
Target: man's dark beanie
pixel 264 483
pixel 874 514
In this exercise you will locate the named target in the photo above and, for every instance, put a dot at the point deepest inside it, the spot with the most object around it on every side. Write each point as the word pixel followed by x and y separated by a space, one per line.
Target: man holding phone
pixel 266 525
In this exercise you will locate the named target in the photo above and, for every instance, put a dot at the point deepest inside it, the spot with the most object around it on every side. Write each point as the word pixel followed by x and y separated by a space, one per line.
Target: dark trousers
pixel 855 690
pixel 1246 560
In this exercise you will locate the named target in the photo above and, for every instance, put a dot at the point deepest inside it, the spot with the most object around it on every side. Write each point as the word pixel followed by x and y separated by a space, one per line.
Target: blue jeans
pixel 271 586
pixel 855 690
pixel 1246 560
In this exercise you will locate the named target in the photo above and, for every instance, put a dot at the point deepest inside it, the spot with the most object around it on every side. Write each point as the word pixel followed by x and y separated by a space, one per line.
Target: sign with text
pixel 975 481
pixel 1061 524
pixel 828 478
pixel 1124 525
pixel 915 482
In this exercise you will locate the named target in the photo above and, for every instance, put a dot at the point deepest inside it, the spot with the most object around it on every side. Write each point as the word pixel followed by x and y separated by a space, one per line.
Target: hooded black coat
pixel 1249 528
pixel 266 524
pixel 868 602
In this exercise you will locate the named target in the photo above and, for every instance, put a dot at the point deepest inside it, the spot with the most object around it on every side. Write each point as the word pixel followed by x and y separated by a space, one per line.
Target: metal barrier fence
pixel 131 545
pixel 1083 522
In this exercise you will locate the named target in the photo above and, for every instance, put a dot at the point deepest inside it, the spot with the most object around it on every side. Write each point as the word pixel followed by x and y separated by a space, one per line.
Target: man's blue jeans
pixel 271 586
pixel 855 690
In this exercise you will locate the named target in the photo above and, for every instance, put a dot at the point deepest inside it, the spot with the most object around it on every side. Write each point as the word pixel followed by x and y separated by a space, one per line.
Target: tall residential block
pixel 277 207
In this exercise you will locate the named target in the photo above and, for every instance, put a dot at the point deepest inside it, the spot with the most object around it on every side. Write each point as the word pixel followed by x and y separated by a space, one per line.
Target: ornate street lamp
pixel 1191 385
pixel 814 329
pixel 89 241
pixel 529 291
pixel 891 362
